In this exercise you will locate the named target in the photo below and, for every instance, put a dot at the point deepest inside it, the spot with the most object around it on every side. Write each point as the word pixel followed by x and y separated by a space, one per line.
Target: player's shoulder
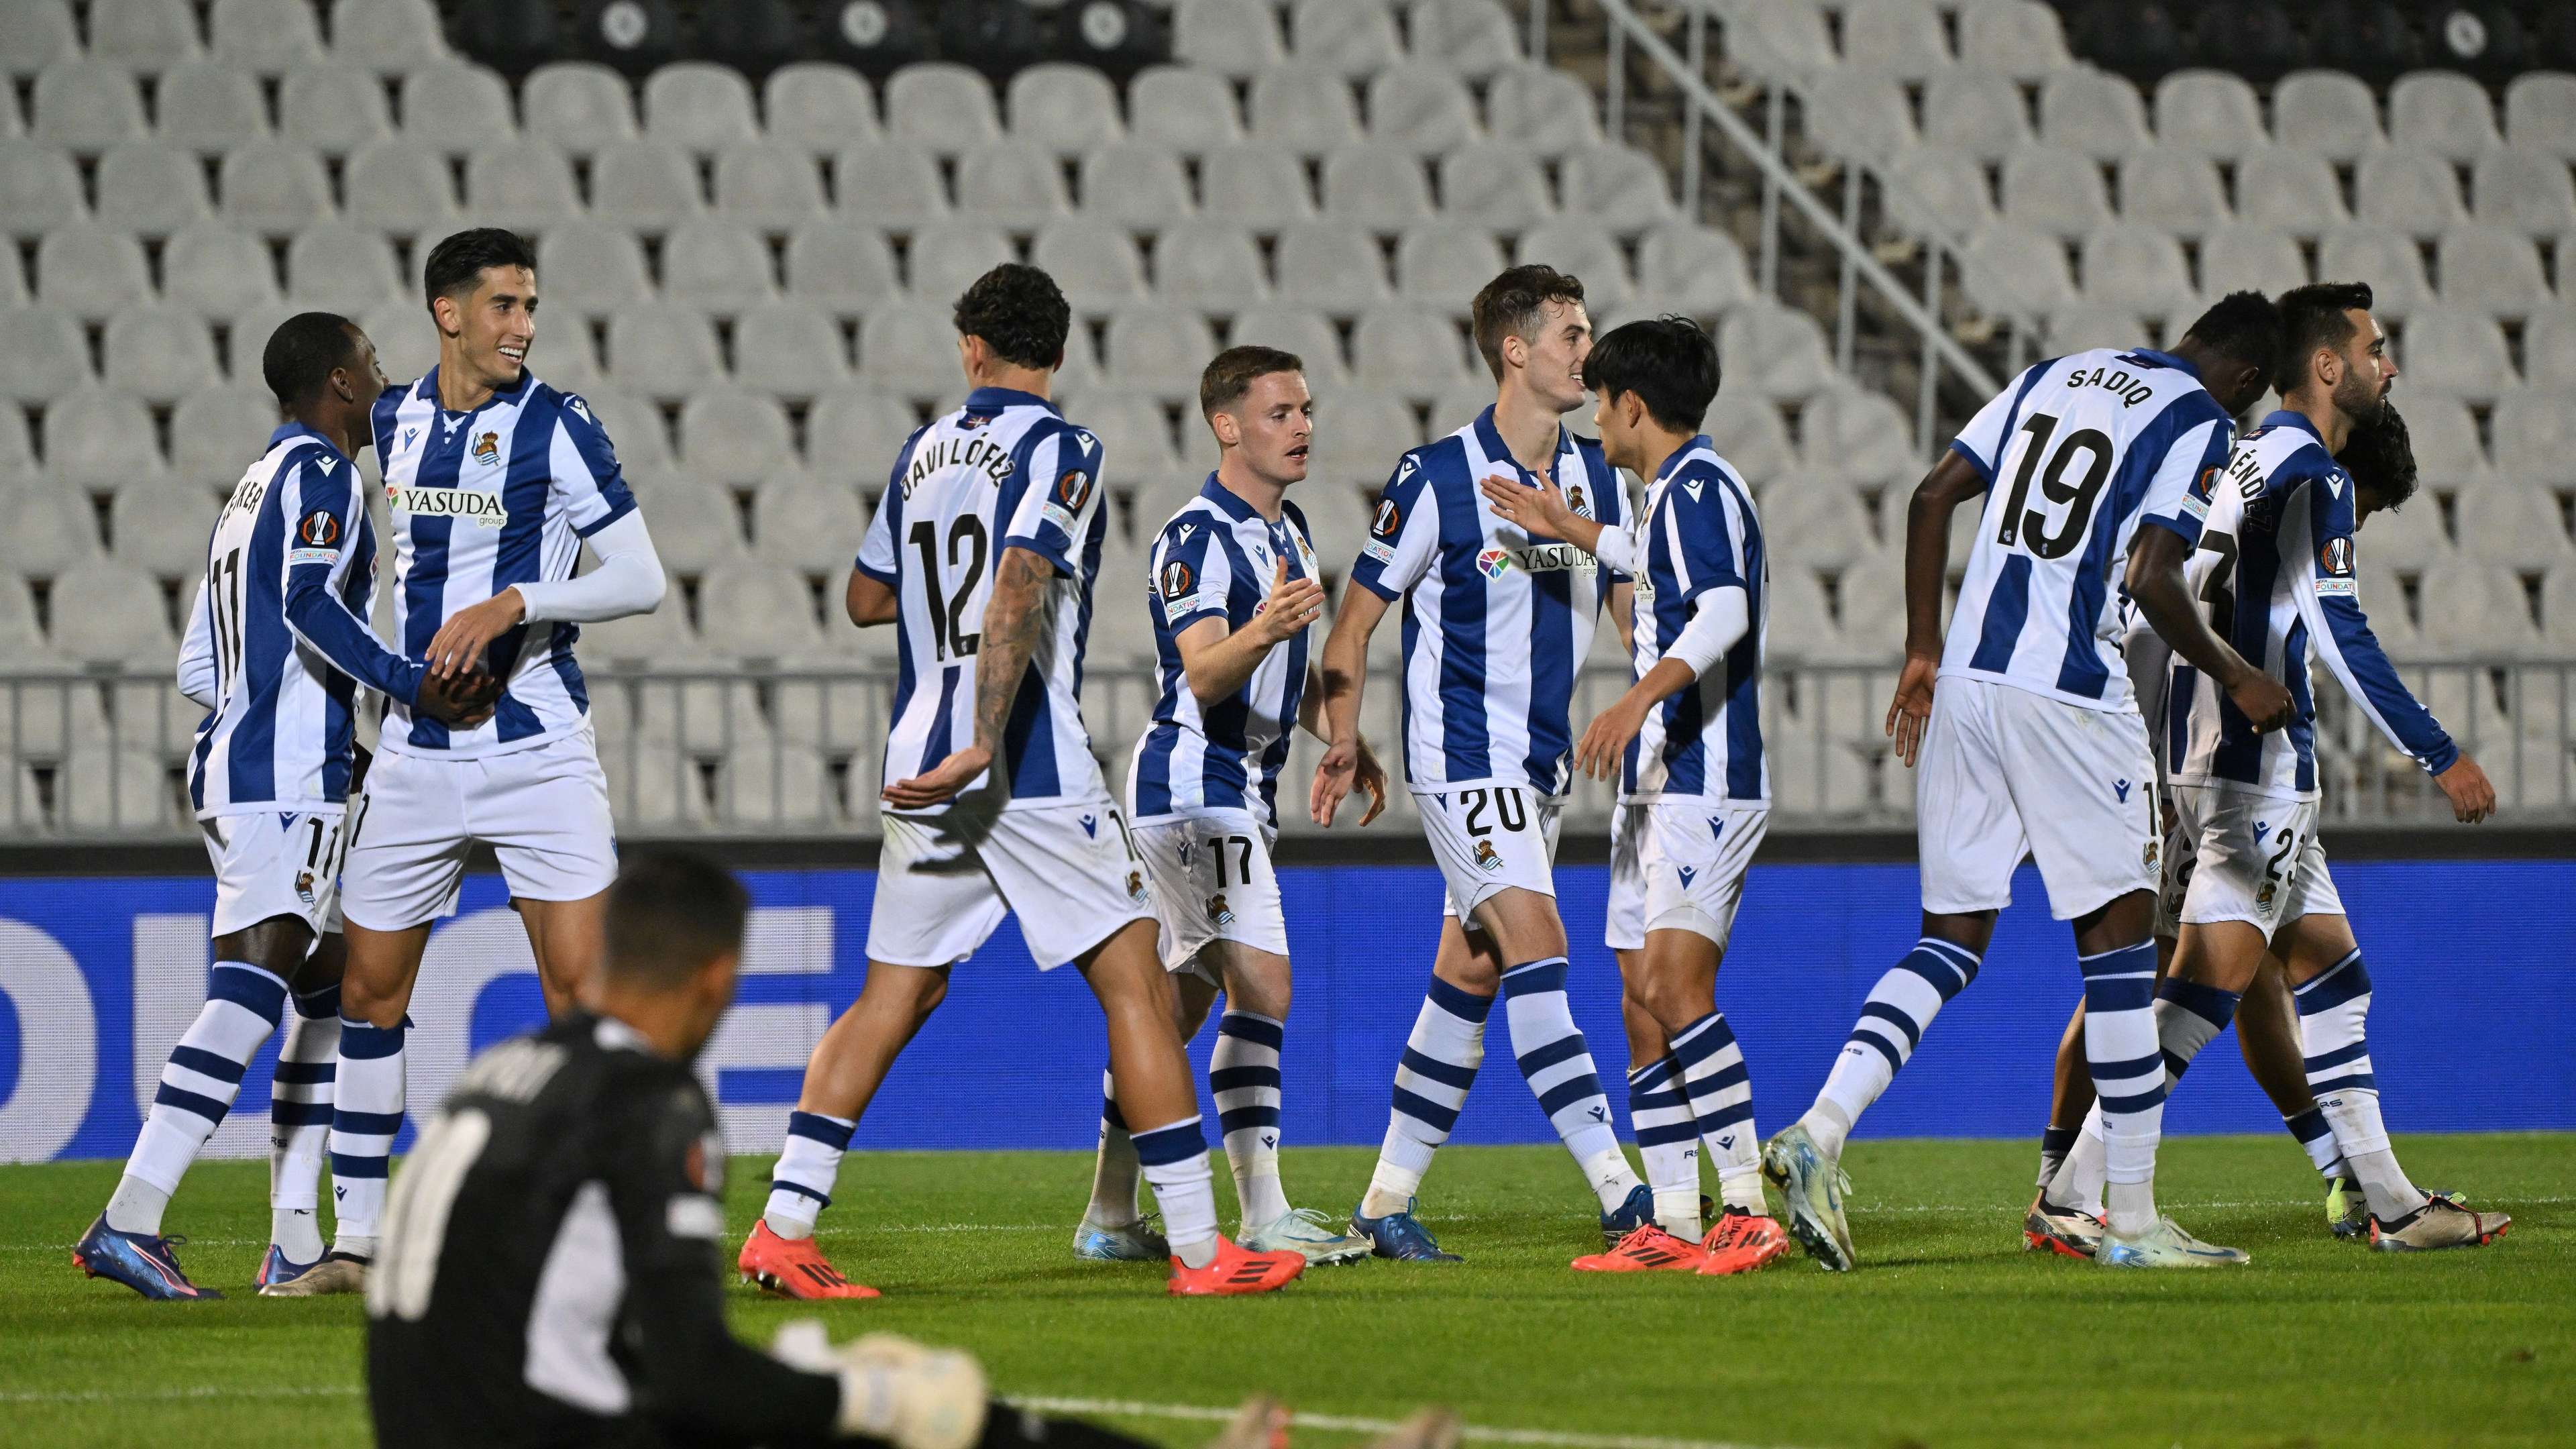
pixel 1081 444
pixel 1440 463
pixel 1191 525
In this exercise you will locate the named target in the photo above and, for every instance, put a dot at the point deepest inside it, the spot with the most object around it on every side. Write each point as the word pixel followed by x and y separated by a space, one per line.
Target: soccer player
pixel 1496 625
pixel 1685 742
pixel 2033 741
pixel 2283 530
pixel 983 556
pixel 494 481
pixel 1232 588
pixel 277 644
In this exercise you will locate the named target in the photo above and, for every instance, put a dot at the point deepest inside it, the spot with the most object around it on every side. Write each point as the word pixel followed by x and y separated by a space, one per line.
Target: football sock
pixel 2128 1067
pixel 800 1186
pixel 1114 1169
pixel 299 1119
pixel 2054 1143
pixel 1557 1064
pixel 198 1084
pixel 2079 1181
pixel 1720 1090
pixel 1892 1022
pixel 2334 1014
pixel 1431 1081
pixel 1175 1160
pixel 1668 1143
pixel 1243 1073
pixel 2317 1139
pixel 2189 1016
pixel 366 1112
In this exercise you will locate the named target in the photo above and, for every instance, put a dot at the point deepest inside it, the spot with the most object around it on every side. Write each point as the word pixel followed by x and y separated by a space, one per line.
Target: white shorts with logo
pixel 1213 881
pixel 269 864
pixel 1487 837
pixel 1070 873
pixel 2255 858
pixel 543 810
pixel 2005 771
pixel 1678 865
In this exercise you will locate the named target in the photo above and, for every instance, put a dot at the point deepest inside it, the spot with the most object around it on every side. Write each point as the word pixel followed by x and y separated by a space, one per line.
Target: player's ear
pixel 1227 427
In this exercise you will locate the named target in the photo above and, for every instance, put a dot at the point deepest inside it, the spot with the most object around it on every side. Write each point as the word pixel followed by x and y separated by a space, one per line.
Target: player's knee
pixel 276 945
pixel 909 991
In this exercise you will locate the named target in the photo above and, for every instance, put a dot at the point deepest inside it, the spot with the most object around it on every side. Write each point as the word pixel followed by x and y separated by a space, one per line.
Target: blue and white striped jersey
pixel 1495 623
pixel 1700 533
pixel 1004 471
pixel 2076 453
pixel 482 500
pixel 2276 566
pixel 1214 560
pixel 277 640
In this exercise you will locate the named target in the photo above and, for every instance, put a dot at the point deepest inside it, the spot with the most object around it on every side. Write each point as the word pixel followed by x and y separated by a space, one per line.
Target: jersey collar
pixel 293 429
pixel 2287 418
pixel 1698 441
pixel 994 399
pixel 1491 439
pixel 2167 359
pixel 508 393
pixel 1227 503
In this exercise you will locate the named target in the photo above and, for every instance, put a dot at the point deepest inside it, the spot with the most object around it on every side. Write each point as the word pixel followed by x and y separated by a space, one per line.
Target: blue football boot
pixel 1135 1242
pixel 1401 1236
pixel 1635 1213
pixel 149 1266
pixel 276 1267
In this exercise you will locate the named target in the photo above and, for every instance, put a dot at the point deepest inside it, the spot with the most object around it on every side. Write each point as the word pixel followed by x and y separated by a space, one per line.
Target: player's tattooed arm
pixel 1015 619
pixel 2155 580
pixel 1952 481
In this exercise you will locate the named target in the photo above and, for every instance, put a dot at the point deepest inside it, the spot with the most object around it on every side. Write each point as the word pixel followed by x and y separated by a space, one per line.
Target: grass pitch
pixel 1948 1335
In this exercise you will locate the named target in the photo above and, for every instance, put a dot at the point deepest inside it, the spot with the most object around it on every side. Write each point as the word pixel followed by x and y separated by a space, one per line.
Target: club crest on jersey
pixel 2335 558
pixel 2149 858
pixel 1575 500
pixel 487 449
pixel 1177 580
pixel 304 886
pixel 1488 857
pixel 1218 911
pixel 1136 886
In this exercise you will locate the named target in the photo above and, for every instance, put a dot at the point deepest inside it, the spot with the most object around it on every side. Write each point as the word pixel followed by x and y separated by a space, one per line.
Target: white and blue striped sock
pixel 800 1185
pixel 1175 1160
pixel 1668 1144
pixel 2128 1065
pixel 2188 1017
pixel 1114 1168
pixel 1720 1090
pixel 1892 1022
pixel 299 1120
pixel 1243 1073
pixel 1557 1064
pixel 1431 1081
pixel 198 1084
pixel 2334 1019
pixel 366 1114
pixel 2316 1138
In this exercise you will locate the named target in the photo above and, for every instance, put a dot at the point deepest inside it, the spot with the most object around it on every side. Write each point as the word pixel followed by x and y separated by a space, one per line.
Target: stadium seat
pixel 1015 184
pixel 787 349
pixel 947 257
pixel 2388 259
pixel 2326 113
pixel 2013 269
pixel 2549 347
pixel 1748 431
pixel 1332 266
pixel 2491 268
pixel 2514 524
pixel 400 187
pixel 42 354
pixel 1135 184
pixel 209 107
pixel 341 267
pixel 2474 609
pixel 1493 185
pixel 2139 271
pixel 855 433
pixel 2445 438
pixel 2054 191
pixel 1232 38
pixel 273 188
pixel 98 791
pixel 662 638
pixel 90 269
pixel 635 425
pixel 1303 109
pixel 643 184
pixel 591 268
pixel 734 437
pixel 2558 608
pixel 1353 38
pixel 908 348
pixel 696 527
pixel 1851 434
pixel 841 266
pixel 699 106
pixel 22 649
pixel 157 535
pixel 767 184
pixel 2455 351
pixel 145 35
pixel 333 109
pixel 160 352
pixel 98 436
pixel 385 35
pixel 1410 351
pixel 715 265
pixel 576 105
pixel 2410 190
pixel 2535 435
pixel 2443 112
pixel 150 189
pixel 216 269
pixel 1158 349
pixel 777 786
pixel 216 431
pixel 1068 109
pixel 1367 187
pixel 2540 113
pixel 2292 191
pixel 2245 255
pixel 525 186
pixel 1472 37
pixel 2093 112
pixel 2022 38
pixel 837 716
pixel 2524 189
pixel 1190 111
pixel 1937 191
pixel 110 613
pixel 1358 438
pixel 1620 188
pixel 2408 540
pixel 1297 328
pixel 1696 270
pixel 1093 261
pixel 39 33
pixel 942 107
pixel 1208 263
pixel 1581 247
pixel 407 343
pixel 2171 190
pixel 810 527
pixel 1818 521
pixel 86 105
pixel 1442 264
pixel 818 107
pixel 1258 186
pixel 1423 108
pixel 1788 41
pixel 1976 110
pixel 1871 120
pixel 1135 435
pixel 1542 110
pixel 265 36
pixel 51 529
pixel 1901 38
pixel 2208 112
pixel 750 611
pixel 40 189
pixel 661 350
pixel 1801 628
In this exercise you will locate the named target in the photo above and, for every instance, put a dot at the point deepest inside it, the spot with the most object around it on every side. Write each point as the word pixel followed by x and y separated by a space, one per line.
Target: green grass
pixel 1948 1335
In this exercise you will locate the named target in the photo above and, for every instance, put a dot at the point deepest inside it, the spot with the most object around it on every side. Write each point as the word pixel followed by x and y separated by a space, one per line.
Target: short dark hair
pixel 455 264
pixel 669 914
pixel 1019 312
pixel 302 354
pixel 1231 374
pixel 2314 316
pixel 1509 306
pixel 2380 456
pixel 2242 326
pixel 1669 364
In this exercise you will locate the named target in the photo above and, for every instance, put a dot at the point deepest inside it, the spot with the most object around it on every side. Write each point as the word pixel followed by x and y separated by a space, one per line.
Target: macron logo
pixel 1091 826
pixel 2121 788
pixel 1686 873
pixel 1599 1114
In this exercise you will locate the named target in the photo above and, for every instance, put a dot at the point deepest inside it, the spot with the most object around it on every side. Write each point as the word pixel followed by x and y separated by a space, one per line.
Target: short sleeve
pixel 1404 533
pixel 876 547
pixel 325 517
pixel 2178 492
pixel 1193 574
pixel 588 484
pixel 1981 442
pixel 1059 496
pixel 1703 536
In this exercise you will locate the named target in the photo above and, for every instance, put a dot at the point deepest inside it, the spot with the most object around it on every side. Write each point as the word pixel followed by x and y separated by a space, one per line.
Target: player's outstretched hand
pixel 1335 774
pixel 1911 711
pixel 1371 780
pixel 462 701
pixel 1293 604
pixel 1540 512
pixel 1604 747
pixel 2263 700
pixel 2471 794
pixel 942 782
pixel 459 643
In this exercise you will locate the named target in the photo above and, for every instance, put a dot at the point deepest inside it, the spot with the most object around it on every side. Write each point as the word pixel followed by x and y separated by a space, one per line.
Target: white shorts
pixel 2176 857
pixel 1678 865
pixel 2006 772
pixel 1488 837
pixel 1213 881
pixel 2258 859
pixel 1069 872
pixel 269 865
pixel 543 810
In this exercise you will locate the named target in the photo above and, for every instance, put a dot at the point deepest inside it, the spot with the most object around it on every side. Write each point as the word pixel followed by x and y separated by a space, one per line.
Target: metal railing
pixel 798 754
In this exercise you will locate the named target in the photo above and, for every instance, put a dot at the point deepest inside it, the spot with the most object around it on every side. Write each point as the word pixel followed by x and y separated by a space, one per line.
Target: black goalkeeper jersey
pixel 549 1272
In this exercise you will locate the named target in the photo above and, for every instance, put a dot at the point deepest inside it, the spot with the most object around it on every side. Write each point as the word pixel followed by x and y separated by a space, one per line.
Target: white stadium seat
pixel 333 109
pixel 2097 113
pixel 889 187
pixel 1136 184
pixel 1442 264
pixel 143 34
pixel 2055 191
pixel 2080 325
pixel 1413 352
pixel 2210 112
pixel 699 106
pixel 339 266
pixel 1354 38
pixel 1135 435
pixel 1788 40
pixel 818 107
pixel 2535 435
pixel 1696 270
pixel 813 528
pixel 942 107
pixel 1579 245
pixel 265 36
pixel 398 186
pixel 1208 263
pixel 2328 113
pixel 1190 111
pixel 39 33
pixel 2409 190
pixel 2288 189
pixel 150 189
pixel 2445 438
pixel 208 107
pixel 50 530
pixel 2023 38
pixel 768 184
pixel 839 265
pixel 2141 271
pixel 217 431
pixel 645 184
pixel 2013 267
pixel 110 613
pixel 2491 268
pixel 734 437
pixel 1421 107
pixel 1937 191
pixel 909 348
pixel 1978 111
pixel 2455 351
pixel 87 105
pixel 1871 119
pixel 386 35
pixel 1068 109
pixel 2172 190
pixel 1617 186
pixel 217 269
pixel 751 611
pixel 661 350
pixel 525 186
pixel 1901 38
pixel 2525 189
pixel 1541 110
pixel 100 437
pixel 1332 266
pixel 789 350
pixel 1784 344
pixel 576 105
pixel 716 264
pixel 854 434
pixel 1229 37
pixel 1159 349
pixel 695 526
pixel 1472 37
pixel 1494 185
pixel 1853 434
pixel 162 534
pixel 160 352
pixel 1256 186
pixel 2549 346
pixel 1015 184
pixel 591 268
pixel 2247 255
pixel 124 790
pixel 1375 189
pixel 2444 112
pixel 948 256
pixel 42 353
pixel 273 188
pixel 2515 524
pixel 2540 112
pixel 780 786
pixel 91 269
pixel 1305 109
pixel 1748 430
pixel 2387 258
